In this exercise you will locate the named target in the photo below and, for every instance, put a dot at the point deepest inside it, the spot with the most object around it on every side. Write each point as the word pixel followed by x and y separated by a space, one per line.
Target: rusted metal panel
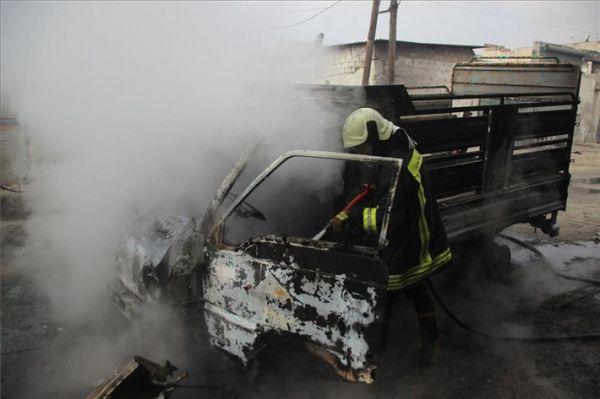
pixel 139 379
pixel 496 78
pixel 487 214
pixel 285 288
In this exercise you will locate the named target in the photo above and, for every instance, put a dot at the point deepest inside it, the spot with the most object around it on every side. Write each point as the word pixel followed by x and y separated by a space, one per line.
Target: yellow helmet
pixel 355 130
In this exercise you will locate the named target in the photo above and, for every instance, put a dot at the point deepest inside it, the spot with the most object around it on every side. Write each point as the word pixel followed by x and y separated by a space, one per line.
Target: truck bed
pixel 494 159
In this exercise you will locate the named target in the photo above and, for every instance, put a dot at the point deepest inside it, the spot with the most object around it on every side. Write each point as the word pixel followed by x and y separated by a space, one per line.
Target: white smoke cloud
pixel 139 105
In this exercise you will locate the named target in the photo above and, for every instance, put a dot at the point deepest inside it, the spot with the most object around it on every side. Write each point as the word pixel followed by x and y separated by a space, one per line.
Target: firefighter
pixel 417 246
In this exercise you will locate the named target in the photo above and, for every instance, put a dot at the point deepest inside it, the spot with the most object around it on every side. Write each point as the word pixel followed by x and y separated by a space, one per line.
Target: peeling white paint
pixel 229 333
pixel 250 293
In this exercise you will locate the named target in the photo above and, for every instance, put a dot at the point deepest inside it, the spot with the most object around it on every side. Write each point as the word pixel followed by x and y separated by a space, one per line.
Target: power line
pixel 296 10
pixel 308 19
pixel 519 19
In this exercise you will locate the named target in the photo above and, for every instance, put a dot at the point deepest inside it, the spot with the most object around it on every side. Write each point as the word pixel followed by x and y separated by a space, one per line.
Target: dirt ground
pixel 44 358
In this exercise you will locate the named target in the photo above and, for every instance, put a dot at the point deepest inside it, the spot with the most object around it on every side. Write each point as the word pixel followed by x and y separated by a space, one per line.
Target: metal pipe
pixel 484 107
pixel 225 187
pixel 516 58
pixel 425 97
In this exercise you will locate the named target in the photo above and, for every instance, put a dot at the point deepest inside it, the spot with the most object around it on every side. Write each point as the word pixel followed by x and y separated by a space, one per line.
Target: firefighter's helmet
pixel 355 131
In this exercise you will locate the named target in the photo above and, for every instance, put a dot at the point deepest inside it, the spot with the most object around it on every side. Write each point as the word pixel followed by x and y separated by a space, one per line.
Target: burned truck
pixel 496 158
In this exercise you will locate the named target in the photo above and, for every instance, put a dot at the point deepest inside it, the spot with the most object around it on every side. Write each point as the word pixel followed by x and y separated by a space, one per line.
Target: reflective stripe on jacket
pixel 417 245
pixel 427 264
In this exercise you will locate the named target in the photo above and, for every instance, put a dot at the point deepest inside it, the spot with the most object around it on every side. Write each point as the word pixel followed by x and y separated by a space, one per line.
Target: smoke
pixel 134 107
pixel 139 106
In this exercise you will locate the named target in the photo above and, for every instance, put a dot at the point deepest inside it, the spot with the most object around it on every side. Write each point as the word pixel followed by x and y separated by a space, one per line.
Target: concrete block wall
pixel 417 72
pixel 416 64
pixel 421 65
pixel 344 65
pixel 590 45
pixel 589 109
pixel 594 136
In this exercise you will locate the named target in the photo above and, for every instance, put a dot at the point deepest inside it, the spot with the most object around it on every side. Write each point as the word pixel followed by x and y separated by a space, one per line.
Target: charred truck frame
pixel 496 160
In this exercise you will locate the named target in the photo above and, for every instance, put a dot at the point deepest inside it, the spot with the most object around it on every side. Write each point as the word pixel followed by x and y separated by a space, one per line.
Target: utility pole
pixel 391 59
pixel 370 42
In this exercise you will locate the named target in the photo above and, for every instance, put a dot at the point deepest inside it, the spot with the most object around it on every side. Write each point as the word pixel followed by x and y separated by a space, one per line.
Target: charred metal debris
pixel 140 379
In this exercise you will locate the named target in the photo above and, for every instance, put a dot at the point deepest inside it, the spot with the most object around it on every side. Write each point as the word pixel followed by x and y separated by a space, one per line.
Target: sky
pixel 512 24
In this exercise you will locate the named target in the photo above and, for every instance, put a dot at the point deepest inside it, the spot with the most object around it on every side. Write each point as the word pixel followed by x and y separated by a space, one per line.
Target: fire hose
pixel 455 319
pixel 361 196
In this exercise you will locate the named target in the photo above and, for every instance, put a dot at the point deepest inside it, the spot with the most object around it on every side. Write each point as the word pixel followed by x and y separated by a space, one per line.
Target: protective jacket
pixel 416 245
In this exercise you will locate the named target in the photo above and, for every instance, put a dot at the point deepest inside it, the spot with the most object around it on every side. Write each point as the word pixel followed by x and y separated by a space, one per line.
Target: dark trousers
pixel 424 305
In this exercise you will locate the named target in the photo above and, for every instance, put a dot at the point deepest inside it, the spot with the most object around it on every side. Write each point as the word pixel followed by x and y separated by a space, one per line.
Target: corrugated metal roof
pixel 409 43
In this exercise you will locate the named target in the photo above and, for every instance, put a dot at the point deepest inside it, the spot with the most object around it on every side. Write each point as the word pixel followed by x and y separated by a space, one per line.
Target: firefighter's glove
pixel 339 221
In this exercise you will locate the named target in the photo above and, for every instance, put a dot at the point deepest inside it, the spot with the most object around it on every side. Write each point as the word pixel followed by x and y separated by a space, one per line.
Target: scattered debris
pixel 140 379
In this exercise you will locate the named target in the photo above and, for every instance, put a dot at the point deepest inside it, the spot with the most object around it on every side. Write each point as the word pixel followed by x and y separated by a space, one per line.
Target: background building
pixel 417 64
pixel 584 54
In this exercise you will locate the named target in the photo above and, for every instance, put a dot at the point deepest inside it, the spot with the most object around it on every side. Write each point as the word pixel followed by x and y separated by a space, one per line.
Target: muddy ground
pixel 46 358
pixel 41 358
